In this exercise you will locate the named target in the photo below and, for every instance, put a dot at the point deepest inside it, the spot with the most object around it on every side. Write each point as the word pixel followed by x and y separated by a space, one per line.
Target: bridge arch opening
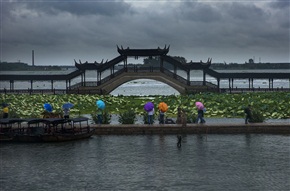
pixel 144 87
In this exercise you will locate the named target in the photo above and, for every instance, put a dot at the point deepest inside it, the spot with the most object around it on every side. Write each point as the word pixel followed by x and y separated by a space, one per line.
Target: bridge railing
pixel 173 75
pixel 143 69
pixel 95 83
pixel 111 76
pixel 75 86
pixel 34 91
pixel 211 85
pixel 196 83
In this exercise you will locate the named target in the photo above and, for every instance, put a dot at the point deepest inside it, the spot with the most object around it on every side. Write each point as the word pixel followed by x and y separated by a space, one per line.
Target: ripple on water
pixel 212 162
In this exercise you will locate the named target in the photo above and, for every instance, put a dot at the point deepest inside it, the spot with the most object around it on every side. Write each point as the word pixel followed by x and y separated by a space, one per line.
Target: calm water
pixel 212 162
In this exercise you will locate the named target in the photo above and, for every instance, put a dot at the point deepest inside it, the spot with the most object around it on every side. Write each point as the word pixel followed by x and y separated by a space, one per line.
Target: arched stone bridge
pixel 167 77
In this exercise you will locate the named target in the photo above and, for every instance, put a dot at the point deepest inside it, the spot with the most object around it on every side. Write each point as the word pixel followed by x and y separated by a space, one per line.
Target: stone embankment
pixel 167 129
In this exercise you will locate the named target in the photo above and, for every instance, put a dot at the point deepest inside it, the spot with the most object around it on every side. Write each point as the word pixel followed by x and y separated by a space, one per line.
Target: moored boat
pixel 44 130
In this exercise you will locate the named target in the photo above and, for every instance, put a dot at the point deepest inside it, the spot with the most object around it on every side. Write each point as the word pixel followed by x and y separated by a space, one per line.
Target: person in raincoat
pixel 5 110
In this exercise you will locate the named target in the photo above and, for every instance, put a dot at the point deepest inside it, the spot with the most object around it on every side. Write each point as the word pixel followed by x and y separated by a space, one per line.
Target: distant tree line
pixel 235 66
pixel 154 61
pixel 19 66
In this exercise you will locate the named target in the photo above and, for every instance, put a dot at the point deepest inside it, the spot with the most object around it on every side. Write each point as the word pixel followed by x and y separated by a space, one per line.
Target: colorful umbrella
pixel 100 104
pixel 199 105
pixel 67 105
pixel 148 106
pixel 163 107
pixel 47 107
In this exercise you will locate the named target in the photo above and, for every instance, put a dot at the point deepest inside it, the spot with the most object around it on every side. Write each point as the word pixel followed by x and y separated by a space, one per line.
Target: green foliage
pixel 271 105
pixel 106 117
pixel 257 117
pixel 191 118
pixel 127 117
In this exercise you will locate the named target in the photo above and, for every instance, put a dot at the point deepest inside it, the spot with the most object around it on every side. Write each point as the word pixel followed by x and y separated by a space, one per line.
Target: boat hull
pixel 57 137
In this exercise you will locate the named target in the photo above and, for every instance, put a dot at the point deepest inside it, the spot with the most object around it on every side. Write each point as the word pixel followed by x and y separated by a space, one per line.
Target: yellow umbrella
pixel 163 107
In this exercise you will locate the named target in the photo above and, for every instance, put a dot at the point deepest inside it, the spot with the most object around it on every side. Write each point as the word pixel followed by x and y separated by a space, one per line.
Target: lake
pixel 203 162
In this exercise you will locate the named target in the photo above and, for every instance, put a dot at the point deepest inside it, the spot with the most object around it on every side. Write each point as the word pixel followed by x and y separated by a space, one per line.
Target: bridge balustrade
pixel 209 84
pixel 111 76
pixel 196 83
pixel 174 75
pixel 77 85
pixel 143 69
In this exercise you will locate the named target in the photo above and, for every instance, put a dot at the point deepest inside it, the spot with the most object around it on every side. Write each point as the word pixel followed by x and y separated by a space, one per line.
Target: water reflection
pixel 212 162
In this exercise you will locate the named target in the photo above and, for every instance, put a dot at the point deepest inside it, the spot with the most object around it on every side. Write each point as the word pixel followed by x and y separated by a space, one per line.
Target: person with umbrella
pixel 5 110
pixel 66 109
pixel 149 107
pixel 200 112
pixel 101 106
pixel 162 107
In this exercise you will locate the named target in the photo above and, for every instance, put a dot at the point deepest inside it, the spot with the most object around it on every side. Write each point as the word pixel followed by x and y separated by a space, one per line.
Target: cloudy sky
pixel 60 31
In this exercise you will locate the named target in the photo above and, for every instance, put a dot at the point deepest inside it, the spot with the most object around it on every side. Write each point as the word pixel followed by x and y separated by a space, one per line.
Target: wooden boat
pixel 45 130
pixel 6 128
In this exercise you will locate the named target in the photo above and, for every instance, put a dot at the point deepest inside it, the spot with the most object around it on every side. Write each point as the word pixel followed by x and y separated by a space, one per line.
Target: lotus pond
pixel 271 105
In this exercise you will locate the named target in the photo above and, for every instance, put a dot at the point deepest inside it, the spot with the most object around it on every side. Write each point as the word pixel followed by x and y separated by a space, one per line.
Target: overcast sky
pixel 60 31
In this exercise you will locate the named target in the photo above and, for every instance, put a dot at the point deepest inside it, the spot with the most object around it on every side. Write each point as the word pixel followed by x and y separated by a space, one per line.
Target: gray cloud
pixel 62 31
pixel 280 4
pixel 81 8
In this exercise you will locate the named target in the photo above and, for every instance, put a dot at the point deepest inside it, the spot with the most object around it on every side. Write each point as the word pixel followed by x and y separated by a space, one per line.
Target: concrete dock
pixel 168 129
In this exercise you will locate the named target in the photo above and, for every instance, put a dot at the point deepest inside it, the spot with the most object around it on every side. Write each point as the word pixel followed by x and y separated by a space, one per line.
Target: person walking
pixel 200 116
pixel 248 112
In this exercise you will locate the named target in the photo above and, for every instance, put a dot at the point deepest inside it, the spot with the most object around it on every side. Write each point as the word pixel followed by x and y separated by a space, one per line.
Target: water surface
pixel 212 162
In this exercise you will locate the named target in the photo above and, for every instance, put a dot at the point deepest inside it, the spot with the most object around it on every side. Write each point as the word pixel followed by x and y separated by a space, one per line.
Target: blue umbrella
pixel 47 107
pixel 100 104
pixel 67 105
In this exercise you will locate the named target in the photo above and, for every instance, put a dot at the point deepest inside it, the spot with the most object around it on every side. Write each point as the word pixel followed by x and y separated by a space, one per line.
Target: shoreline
pixel 170 129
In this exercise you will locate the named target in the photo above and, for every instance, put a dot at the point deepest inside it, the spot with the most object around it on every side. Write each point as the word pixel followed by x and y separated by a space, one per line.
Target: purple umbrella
pixel 148 106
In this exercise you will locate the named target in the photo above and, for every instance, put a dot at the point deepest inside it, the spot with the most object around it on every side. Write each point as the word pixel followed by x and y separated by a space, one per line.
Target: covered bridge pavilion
pixel 251 76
